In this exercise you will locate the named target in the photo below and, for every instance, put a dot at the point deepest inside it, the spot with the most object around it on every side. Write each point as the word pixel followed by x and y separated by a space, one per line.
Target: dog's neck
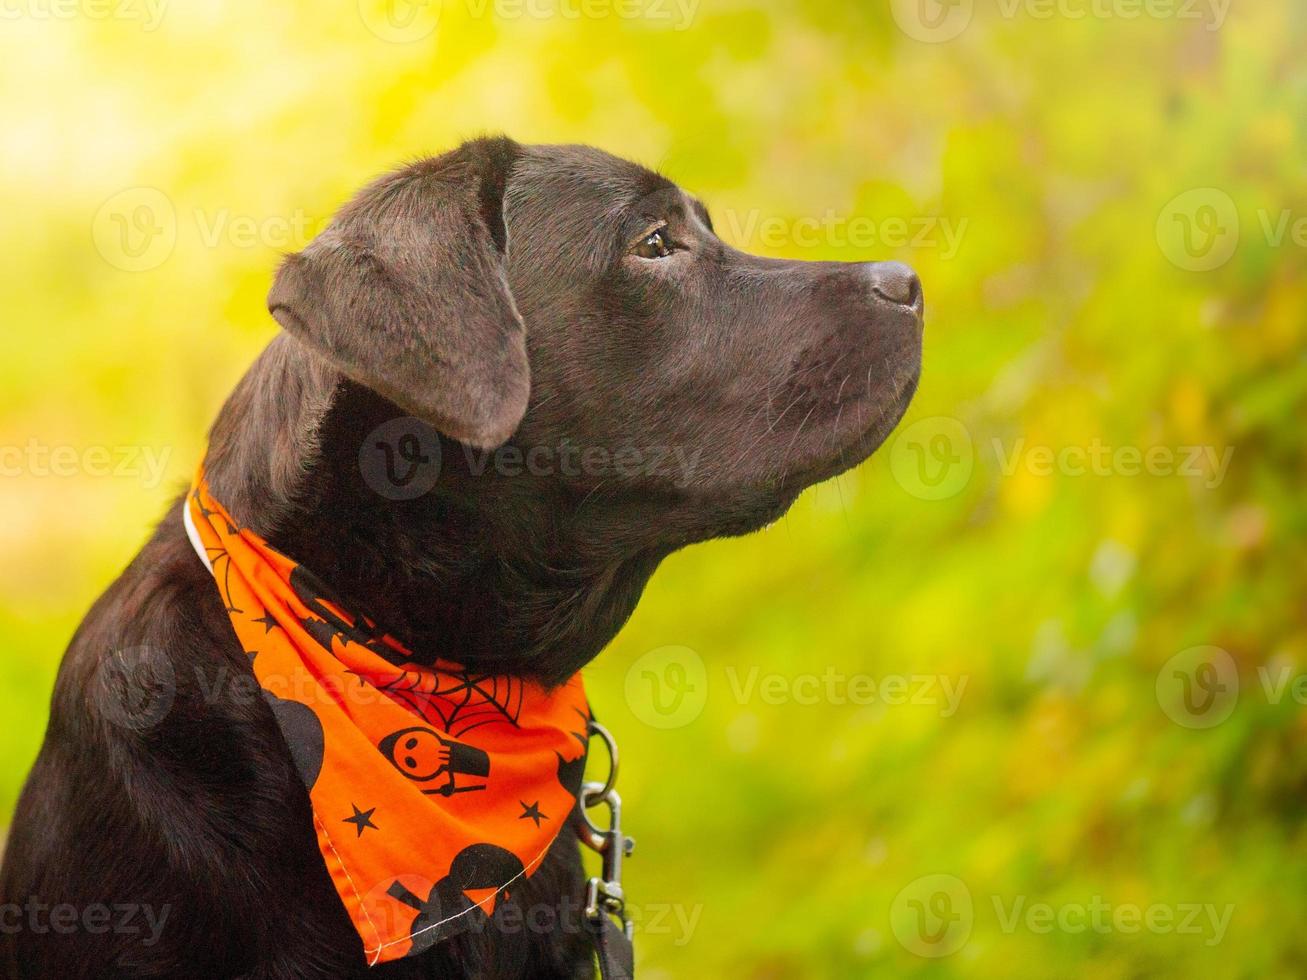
pixel 517 575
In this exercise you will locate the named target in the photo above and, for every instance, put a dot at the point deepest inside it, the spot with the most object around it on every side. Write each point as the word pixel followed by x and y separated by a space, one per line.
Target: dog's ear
pixel 405 292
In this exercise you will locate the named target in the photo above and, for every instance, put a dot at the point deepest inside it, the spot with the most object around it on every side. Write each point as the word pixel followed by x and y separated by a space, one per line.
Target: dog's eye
pixel 654 246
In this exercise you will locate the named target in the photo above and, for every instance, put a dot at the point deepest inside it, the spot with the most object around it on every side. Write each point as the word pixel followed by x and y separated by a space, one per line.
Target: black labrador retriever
pixel 650 387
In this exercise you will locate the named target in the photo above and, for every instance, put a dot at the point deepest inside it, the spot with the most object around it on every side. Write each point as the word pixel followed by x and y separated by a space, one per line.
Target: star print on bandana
pixel 362 819
pixel 268 622
pixel 532 812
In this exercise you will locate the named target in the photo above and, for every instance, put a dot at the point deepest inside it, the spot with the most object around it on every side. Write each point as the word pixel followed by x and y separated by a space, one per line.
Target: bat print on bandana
pixel 331 624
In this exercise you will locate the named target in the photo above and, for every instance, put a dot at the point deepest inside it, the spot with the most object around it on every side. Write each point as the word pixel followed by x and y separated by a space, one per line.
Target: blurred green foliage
pixel 1036 162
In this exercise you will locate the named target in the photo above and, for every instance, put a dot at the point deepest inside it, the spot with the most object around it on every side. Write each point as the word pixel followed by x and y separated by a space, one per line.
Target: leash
pixel 605 902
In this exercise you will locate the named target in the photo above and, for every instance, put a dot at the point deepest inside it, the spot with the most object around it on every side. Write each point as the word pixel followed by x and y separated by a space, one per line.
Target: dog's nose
pixel 895 282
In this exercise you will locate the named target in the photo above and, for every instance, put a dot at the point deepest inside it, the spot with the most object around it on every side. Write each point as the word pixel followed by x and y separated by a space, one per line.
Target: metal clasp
pixel 603 894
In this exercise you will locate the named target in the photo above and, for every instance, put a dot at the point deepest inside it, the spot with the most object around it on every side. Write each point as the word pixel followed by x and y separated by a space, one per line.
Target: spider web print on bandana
pixel 464 702
pixel 433 788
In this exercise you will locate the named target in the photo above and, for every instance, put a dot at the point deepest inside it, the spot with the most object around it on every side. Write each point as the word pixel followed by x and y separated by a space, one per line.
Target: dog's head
pixel 645 384
pixel 582 307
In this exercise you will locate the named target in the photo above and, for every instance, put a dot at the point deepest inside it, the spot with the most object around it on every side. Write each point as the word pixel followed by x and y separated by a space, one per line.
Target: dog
pixel 604 382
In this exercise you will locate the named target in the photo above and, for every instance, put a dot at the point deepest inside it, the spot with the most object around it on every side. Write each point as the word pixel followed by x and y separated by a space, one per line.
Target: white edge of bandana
pixel 194 534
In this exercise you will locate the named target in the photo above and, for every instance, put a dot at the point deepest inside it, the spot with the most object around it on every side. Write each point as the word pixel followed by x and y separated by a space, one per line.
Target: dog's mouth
pixel 851 394
pixel 852 445
pixel 853 432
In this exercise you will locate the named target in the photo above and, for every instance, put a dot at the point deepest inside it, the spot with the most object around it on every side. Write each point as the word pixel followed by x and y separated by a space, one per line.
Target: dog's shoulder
pixel 162 769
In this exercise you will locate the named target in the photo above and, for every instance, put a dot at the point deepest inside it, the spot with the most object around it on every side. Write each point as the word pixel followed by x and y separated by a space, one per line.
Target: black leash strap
pixel 615 951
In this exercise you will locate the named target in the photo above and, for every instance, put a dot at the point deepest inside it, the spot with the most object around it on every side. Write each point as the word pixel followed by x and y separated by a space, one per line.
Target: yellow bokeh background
pixel 880 737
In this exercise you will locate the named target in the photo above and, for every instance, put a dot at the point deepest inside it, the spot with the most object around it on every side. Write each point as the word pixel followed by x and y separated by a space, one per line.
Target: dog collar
pixel 434 789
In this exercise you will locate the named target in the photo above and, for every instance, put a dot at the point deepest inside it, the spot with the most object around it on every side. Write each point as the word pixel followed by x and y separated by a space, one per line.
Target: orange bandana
pixel 434 789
